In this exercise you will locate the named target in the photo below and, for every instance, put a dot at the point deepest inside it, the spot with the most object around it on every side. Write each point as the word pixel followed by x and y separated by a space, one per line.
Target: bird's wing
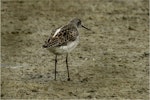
pixel 62 36
pixel 54 30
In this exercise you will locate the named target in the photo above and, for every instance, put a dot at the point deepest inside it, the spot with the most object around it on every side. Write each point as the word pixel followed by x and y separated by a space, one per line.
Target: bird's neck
pixel 73 25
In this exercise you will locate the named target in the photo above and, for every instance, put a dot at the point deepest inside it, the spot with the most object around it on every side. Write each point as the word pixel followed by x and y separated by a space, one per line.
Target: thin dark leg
pixel 55 65
pixel 67 66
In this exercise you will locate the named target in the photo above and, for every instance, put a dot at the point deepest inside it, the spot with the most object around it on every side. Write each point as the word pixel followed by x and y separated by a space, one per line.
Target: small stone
pixel 84 80
pixel 146 54
pixel 34 90
pixel 131 28
pixel 93 59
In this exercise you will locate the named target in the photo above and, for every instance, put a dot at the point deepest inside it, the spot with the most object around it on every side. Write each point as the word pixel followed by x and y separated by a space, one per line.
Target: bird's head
pixel 78 23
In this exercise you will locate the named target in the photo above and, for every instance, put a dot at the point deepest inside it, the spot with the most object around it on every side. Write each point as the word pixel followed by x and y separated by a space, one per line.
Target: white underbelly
pixel 65 49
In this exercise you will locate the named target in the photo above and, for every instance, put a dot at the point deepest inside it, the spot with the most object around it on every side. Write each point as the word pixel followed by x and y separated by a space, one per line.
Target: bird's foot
pixel 68 79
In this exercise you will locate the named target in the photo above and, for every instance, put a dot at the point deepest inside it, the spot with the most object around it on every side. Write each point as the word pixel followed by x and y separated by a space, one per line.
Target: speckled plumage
pixel 63 37
pixel 63 40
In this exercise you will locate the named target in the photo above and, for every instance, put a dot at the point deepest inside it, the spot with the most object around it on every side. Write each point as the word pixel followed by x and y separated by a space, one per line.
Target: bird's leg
pixel 67 66
pixel 55 65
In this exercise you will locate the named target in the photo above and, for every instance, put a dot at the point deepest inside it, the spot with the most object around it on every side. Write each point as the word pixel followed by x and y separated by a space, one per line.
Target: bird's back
pixel 62 36
pixel 63 39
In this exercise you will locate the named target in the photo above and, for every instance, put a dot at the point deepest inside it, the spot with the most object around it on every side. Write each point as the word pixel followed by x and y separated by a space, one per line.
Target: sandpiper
pixel 63 40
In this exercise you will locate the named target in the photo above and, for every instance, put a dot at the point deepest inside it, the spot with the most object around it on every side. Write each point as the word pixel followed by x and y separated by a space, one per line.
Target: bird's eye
pixel 79 23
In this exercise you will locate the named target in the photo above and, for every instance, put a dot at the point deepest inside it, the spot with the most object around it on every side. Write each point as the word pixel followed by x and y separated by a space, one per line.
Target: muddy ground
pixel 111 63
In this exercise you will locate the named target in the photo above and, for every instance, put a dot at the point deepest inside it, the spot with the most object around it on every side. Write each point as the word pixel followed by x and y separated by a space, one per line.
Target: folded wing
pixel 62 36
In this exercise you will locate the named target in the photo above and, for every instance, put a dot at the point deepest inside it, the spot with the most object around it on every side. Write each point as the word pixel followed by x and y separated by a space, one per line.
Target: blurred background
pixel 111 63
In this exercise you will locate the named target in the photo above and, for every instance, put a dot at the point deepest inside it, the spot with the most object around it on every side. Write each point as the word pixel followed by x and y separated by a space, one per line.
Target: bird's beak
pixel 85 27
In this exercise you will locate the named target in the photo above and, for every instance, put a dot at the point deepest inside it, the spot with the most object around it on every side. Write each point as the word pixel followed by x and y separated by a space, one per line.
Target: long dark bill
pixel 85 27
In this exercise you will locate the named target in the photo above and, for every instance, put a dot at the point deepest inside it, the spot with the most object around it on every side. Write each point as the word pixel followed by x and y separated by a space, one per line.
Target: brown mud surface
pixel 111 63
